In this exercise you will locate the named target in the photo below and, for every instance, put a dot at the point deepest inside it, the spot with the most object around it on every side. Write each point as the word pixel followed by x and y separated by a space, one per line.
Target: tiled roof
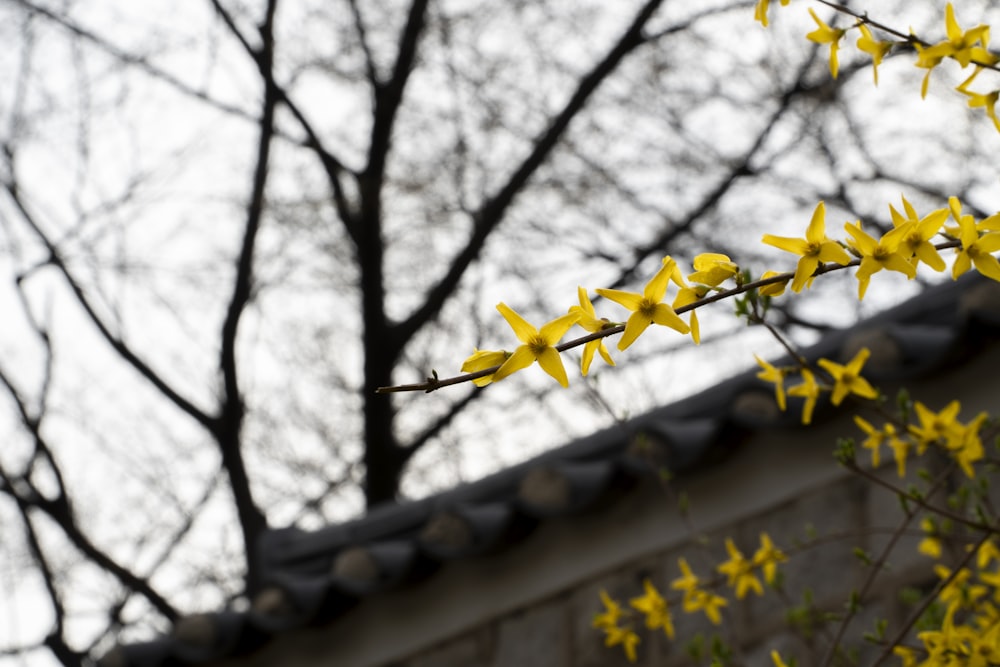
pixel 315 577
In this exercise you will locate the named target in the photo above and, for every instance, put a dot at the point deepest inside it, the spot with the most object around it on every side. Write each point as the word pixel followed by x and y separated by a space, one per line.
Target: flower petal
pixel 635 325
pixel 551 363
pixel 664 315
pixel 522 358
pixel 522 329
pixel 630 300
pixel 558 327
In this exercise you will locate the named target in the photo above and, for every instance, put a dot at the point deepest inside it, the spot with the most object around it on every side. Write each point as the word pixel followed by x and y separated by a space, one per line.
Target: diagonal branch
pixel 117 344
pixel 58 509
pixel 335 170
pixel 229 426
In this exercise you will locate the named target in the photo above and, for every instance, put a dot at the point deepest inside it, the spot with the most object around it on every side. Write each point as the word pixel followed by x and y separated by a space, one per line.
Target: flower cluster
pixel 961 442
pixel 969 632
pixel 741 575
pixel 902 249
pixel 646 308
pixel 966 47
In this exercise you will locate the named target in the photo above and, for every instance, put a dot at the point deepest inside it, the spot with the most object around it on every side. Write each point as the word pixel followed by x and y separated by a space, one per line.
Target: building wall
pixel 841 514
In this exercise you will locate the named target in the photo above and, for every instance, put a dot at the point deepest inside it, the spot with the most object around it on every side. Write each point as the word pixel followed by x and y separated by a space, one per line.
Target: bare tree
pixel 225 228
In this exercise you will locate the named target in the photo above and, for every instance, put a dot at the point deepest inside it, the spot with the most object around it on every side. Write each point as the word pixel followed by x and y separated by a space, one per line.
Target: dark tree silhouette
pixel 197 328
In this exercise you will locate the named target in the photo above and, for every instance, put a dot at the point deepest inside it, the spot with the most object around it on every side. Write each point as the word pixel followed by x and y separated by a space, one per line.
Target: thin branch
pixel 117 344
pixel 434 383
pixel 229 425
pixel 334 169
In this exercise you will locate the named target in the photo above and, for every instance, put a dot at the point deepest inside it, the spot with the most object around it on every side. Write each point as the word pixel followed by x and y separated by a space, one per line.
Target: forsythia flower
pixel 931 544
pixel 767 558
pixel 612 612
pixel 986 100
pixel 774 289
pixel 961 44
pixel 688 581
pixel 878 255
pixel 970 448
pixel 937 426
pixel 480 360
pixel 776 376
pixel 847 378
pixel 687 295
pixel 873 441
pixel 647 308
pixel 808 390
pixel 814 248
pixel 712 269
pixel 696 599
pixel 624 636
pixel 875 48
pixel 824 34
pixel 739 572
pixel 710 603
pixel 760 10
pixel 976 250
pixel 900 448
pixel 538 345
pixel 654 607
pixel 588 320
pixel 918 233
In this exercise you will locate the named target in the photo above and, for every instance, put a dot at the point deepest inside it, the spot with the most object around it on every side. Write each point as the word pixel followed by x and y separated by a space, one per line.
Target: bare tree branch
pixel 490 215
pixel 230 422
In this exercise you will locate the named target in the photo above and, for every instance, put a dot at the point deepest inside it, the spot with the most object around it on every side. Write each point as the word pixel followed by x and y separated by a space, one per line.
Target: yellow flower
pixel 986 100
pixel 776 659
pixel 688 581
pixel 961 44
pixel 774 289
pixel 970 448
pixel 928 59
pixel 588 320
pixel 814 248
pixel 900 448
pixel 538 345
pixel 612 612
pixel 875 48
pixel 767 558
pixel 873 441
pixel 824 34
pixel 647 308
pixel 976 250
pixel 878 255
pixel 687 295
pixel 918 233
pixel 712 269
pixel 808 390
pixel 624 636
pixel 847 378
pixel 710 603
pixel 480 360
pixel 906 654
pixel 776 376
pixel 654 607
pixel 987 553
pixel 739 572
pixel 931 544
pixel 760 10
